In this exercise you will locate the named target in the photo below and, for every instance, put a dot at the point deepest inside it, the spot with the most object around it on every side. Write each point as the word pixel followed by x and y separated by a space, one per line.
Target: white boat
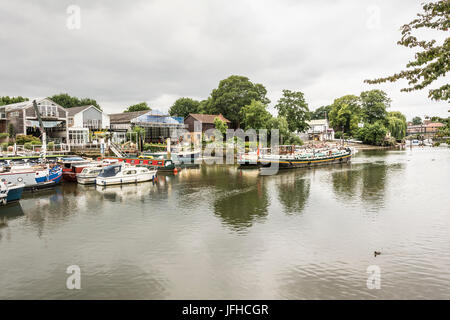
pixel 121 174
pixel 88 175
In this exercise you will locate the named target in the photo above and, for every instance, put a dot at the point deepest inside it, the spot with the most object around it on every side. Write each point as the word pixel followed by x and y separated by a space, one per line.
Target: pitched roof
pixel 73 111
pixel 207 118
pixel 317 122
pixel 125 117
pixel 25 104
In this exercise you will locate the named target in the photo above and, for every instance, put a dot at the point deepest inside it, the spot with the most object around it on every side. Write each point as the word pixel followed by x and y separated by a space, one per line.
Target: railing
pixel 34 150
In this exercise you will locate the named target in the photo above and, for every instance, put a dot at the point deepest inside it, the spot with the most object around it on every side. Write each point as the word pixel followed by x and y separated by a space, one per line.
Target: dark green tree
pixel 9 100
pixel 416 121
pixel 138 107
pixel 373 133
pixel 293 107
pixel 432 61
pixel 232 94
pixel 183 106
pixel 374 104
pixel 345 114
pixel 67 101
pixel 321 113
pixel 255 116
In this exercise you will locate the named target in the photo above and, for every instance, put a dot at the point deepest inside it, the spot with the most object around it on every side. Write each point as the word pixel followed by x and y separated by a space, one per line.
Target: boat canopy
pixel 110 171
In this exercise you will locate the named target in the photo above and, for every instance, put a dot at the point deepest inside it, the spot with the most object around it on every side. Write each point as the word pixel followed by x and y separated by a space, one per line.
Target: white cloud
pixel 157 51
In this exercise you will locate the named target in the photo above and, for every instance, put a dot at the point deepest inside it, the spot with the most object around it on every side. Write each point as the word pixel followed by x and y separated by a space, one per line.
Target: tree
pixel 279 123
pixel 345 114
pixel 374 104
pixel 9 100
pixel 433 61
pixel 417 121
pixel 11 131
pixel 373 133
pixel 293 107
pixel 396 124
pixel 321 113
pixel 220 125
pixel 67 101
pixel 138 107
pixel 255 115
pixel 232 94
pixel 183 106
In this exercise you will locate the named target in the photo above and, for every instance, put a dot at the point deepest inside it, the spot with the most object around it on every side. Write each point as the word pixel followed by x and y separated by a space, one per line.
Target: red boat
pixel 72 166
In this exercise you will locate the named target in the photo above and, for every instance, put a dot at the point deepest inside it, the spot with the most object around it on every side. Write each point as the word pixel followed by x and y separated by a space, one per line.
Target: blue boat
pixel 33 179
pixel 10 192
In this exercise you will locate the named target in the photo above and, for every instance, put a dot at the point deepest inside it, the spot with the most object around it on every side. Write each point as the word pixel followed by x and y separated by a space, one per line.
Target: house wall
pixel 16 117
pixel 92 115
pixel 189 121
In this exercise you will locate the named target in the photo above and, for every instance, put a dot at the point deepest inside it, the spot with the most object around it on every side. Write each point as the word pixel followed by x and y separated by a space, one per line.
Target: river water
pixel 222 233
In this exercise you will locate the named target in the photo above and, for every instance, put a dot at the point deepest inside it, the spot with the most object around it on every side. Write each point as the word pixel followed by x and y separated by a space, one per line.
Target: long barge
pixel 307 160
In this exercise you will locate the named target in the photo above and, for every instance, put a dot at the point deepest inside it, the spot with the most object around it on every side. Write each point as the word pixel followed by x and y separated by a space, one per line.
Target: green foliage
pixel 432 61
pixel 373 133
pixel 23 139
pixel 293 107
pixel 4 146
pixel 321 112
pixel 396 124
pixel 416 121
pixel 232 94
pixel 11 130
pixel 138 107
pixel 338 135
pixel 220 125
pixel 374 104
pixel 183 106
pixel 280 123
pixel 4 135
pixel 66 101
pixel 294 140
pixel 255 115
pixel 345 114
pixel 51 145
pixel 28 146
pixel 9 100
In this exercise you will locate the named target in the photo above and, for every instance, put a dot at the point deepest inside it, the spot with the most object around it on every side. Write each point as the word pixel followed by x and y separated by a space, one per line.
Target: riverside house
pixel 194 120
pixel 83 119
pixel 24 120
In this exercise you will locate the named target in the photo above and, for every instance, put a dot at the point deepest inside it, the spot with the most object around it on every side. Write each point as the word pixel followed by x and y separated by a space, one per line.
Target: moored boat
pixel 10 192
pixel 33 177
pixel 308 159
pixel 89 174
pixel 72 166
pixel 121 174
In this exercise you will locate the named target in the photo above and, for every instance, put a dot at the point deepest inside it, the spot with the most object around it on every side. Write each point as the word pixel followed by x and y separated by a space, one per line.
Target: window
pixel 14 114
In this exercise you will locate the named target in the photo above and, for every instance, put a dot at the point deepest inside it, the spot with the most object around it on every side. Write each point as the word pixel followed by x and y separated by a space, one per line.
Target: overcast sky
pixel 126 52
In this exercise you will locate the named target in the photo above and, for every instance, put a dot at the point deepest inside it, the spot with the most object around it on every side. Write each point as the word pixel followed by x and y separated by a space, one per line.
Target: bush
pixel 23 139
pixel 294 140
pixel 436 144
pixel 3 135
pixel 51 145
pixel 4 146
pixel 338 135
pixel 28 145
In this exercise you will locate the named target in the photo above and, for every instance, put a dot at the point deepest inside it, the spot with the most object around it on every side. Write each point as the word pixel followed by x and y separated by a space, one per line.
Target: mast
pixel 41 129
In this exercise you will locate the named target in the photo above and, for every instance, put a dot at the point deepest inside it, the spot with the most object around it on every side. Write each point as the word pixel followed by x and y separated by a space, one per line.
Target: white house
pixel 88 117
pixel 82 119
pixel 320 130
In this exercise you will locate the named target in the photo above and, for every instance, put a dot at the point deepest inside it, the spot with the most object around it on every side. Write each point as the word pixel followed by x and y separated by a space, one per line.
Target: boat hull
pixel 14 193
pixel 86 179
pixel 34 180
pixel 124 180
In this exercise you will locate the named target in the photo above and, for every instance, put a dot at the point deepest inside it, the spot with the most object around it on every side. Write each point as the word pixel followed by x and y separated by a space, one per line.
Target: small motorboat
pixel 88 175
pixel 34 177
pixel 10 192
pixel 121 174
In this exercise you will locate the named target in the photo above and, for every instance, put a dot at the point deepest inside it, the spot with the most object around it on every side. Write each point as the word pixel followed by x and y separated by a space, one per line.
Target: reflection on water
pixel 220 232
pixel 293 190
